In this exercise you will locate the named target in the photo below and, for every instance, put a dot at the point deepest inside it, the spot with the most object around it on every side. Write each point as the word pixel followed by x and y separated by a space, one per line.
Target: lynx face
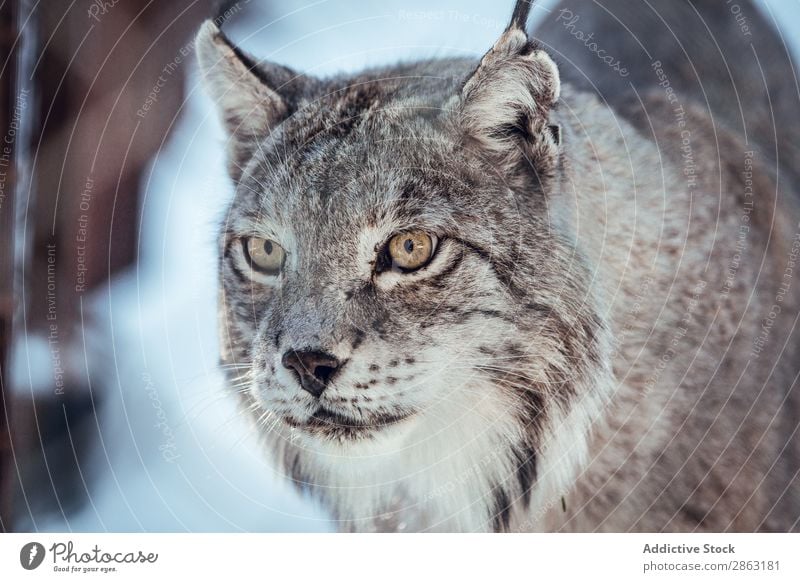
pixel 344 340
pixel 391 272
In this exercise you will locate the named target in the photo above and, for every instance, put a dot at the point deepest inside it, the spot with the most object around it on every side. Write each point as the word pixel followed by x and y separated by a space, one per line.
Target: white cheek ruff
pixel 436 471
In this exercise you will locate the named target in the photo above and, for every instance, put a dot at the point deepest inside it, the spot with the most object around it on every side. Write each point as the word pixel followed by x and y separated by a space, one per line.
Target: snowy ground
pixel 175 457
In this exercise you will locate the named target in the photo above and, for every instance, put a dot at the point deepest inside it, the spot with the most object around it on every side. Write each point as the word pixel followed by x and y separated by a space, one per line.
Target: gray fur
pixel 574 336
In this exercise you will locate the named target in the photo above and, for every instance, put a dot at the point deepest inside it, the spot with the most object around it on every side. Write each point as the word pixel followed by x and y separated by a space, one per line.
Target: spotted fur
pixel 505 384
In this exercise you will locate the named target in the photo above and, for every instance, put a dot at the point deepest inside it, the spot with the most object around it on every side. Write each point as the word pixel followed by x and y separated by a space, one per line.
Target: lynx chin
pixel 461 295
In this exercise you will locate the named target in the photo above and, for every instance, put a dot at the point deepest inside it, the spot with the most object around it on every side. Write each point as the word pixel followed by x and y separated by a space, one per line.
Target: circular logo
pixel 31 555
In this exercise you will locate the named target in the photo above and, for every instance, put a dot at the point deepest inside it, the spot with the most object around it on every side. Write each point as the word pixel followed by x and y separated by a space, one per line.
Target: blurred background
pixel 113 416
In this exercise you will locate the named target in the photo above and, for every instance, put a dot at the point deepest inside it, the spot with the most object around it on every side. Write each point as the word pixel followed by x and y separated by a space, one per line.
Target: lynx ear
pixel 506 103
pixel 252 97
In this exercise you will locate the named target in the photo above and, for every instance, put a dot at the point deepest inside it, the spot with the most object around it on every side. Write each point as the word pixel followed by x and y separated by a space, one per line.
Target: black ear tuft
pixel 519 17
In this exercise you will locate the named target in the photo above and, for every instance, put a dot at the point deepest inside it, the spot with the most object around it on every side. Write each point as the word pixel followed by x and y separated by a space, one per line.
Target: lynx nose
pixel 314 369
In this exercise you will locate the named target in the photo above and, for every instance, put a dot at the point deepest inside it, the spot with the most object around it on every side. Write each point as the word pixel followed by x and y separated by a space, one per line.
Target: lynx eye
pixel 264 255
pixel 411 250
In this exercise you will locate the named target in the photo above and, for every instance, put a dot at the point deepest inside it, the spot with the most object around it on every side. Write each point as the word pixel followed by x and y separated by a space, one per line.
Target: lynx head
pixel 390 263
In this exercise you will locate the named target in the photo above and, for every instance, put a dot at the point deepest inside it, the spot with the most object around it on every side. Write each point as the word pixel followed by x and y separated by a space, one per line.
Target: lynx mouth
pixel 327 422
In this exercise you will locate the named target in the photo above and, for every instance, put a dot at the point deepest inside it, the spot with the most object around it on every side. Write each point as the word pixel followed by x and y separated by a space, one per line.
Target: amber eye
pixel 411 250
pixel 264 255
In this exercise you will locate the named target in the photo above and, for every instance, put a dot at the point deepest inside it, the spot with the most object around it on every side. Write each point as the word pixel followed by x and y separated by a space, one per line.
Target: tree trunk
pixel 8 98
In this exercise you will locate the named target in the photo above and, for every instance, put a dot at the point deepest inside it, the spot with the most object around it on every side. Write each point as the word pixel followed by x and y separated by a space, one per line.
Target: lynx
pixel 463 295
